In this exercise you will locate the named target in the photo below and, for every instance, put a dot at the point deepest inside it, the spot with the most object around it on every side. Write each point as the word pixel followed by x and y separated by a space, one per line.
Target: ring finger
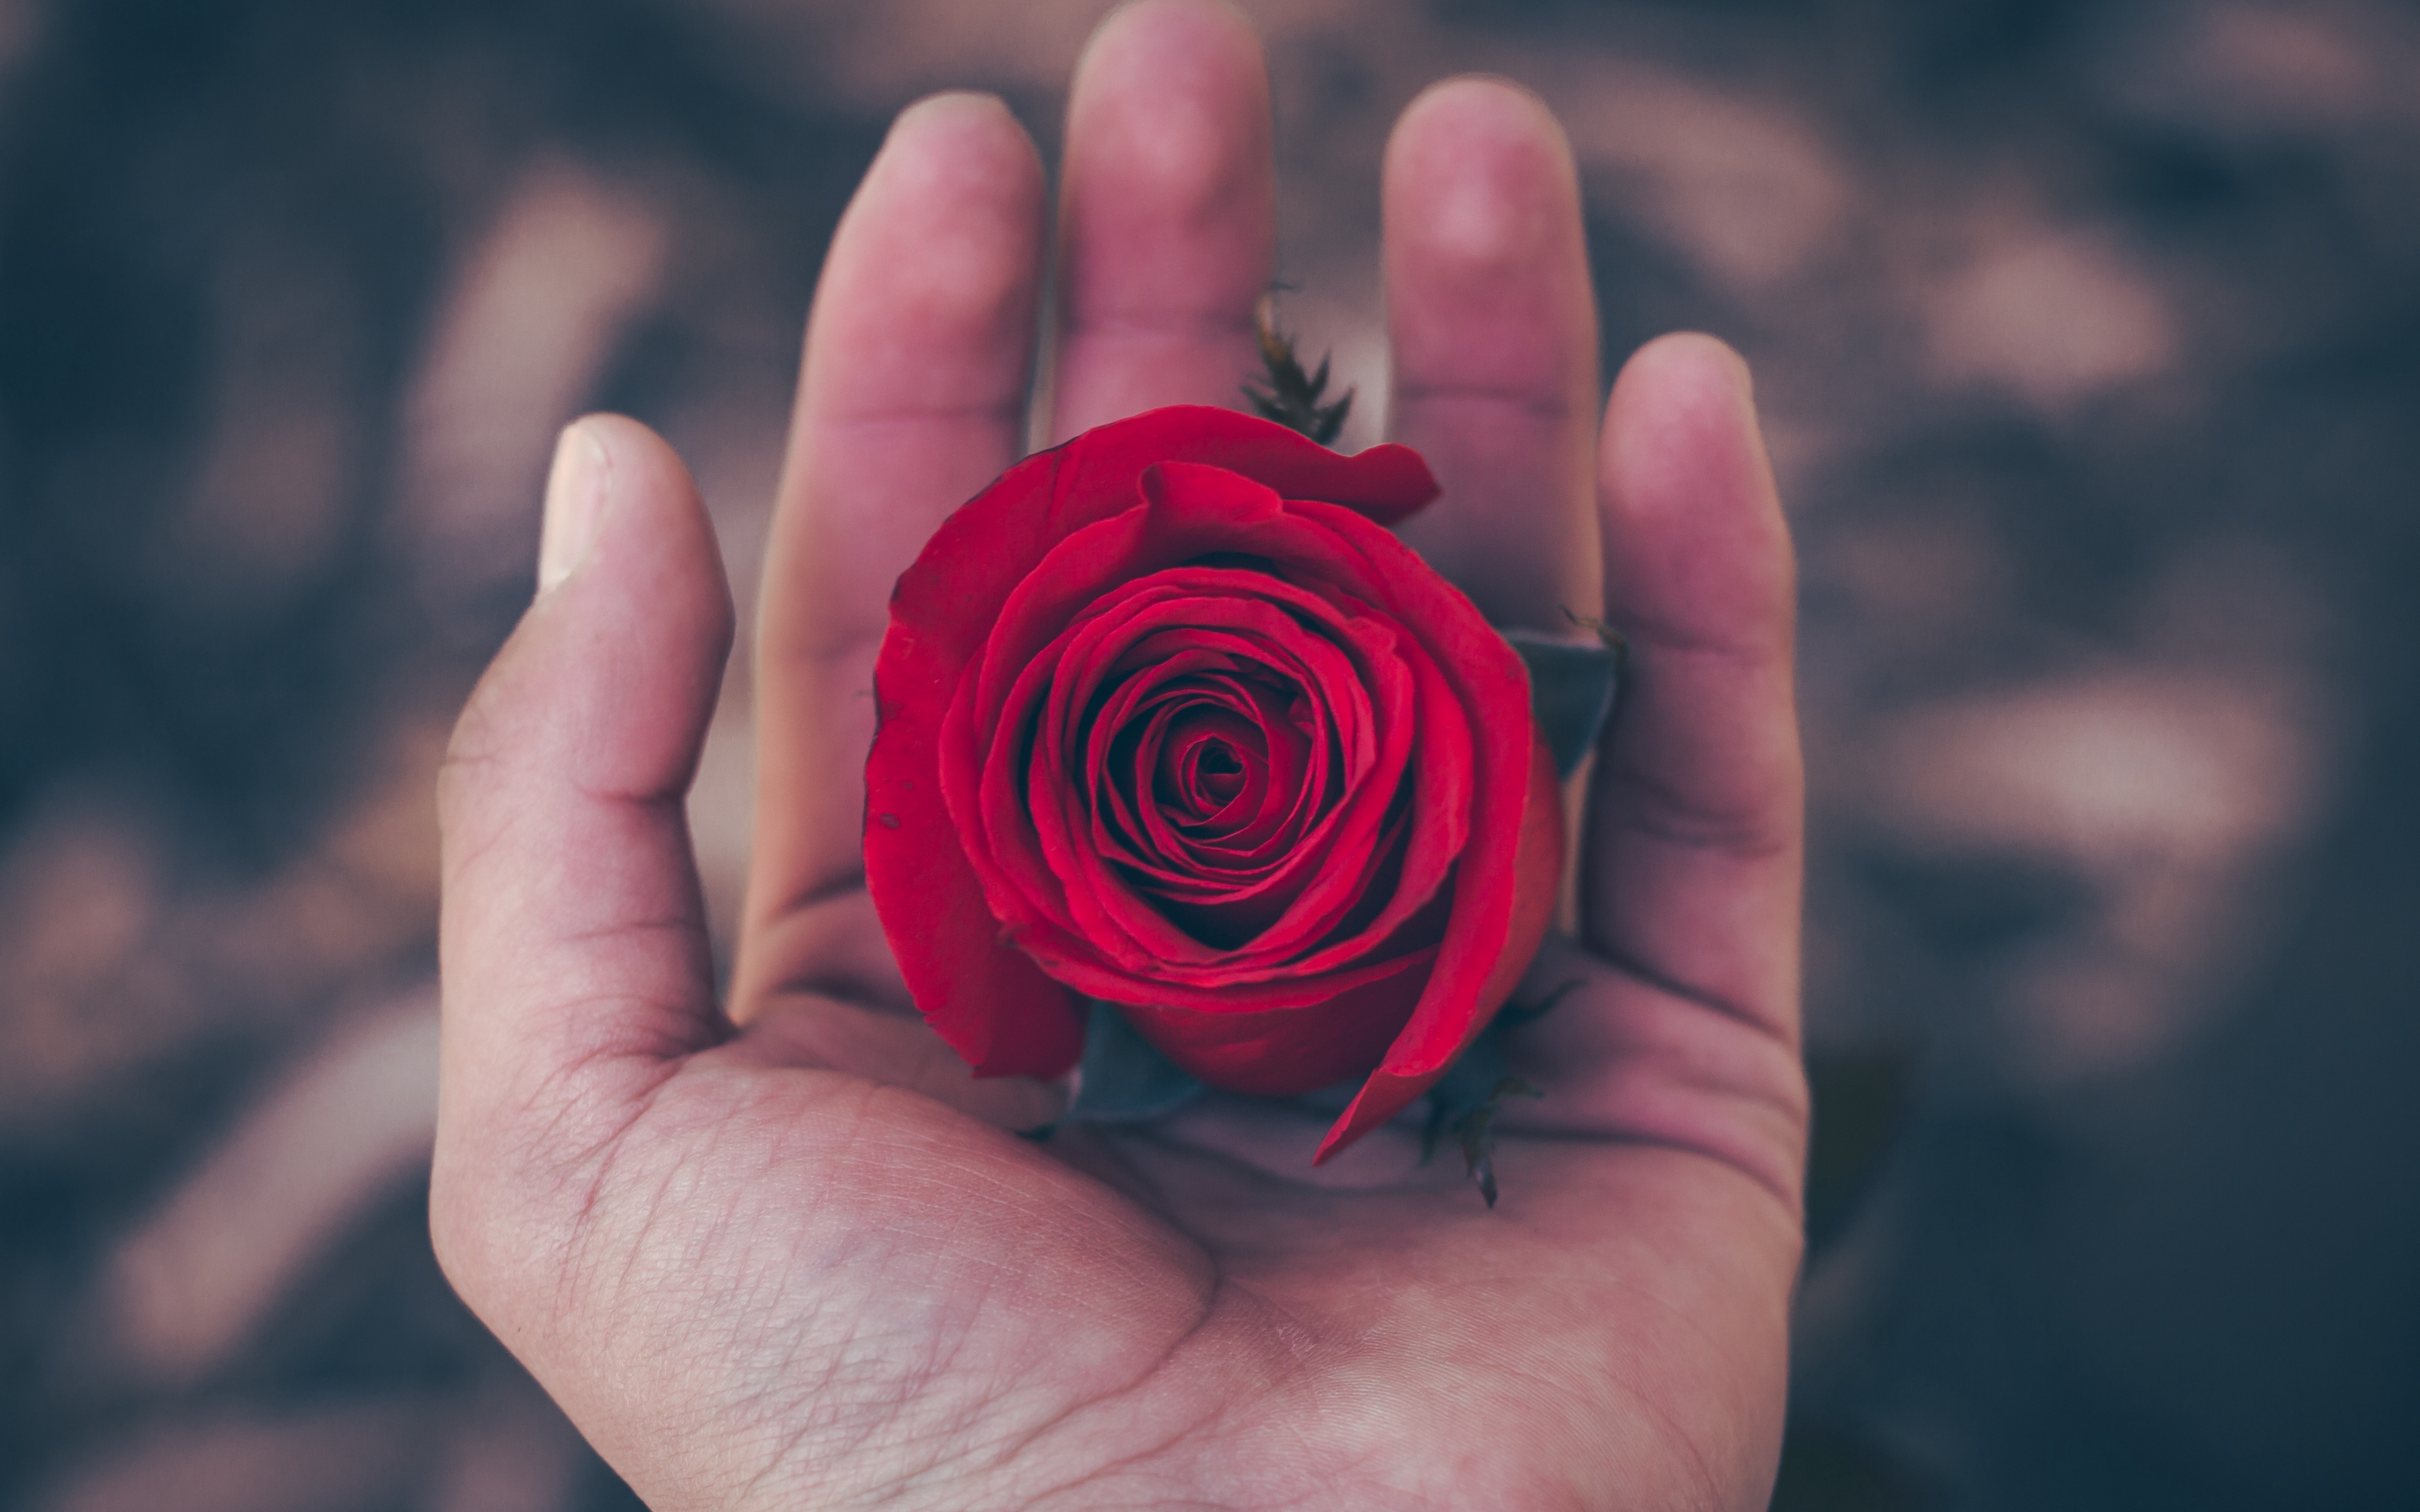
pixel 1492 324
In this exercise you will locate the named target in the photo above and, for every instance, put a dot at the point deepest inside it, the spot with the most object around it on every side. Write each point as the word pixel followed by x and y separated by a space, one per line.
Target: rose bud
pixel 1171 720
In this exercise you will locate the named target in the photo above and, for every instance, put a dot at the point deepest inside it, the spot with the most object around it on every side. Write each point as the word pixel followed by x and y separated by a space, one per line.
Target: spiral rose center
pixel 1204 754
pixel 1205 776
pixel 1219 772
pixel 1218 748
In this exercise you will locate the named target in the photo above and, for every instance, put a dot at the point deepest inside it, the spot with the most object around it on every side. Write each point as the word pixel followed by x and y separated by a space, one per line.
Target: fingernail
pixel 575 502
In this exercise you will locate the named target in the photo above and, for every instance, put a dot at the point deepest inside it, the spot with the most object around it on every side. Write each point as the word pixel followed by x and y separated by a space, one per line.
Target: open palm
pixel 790 1257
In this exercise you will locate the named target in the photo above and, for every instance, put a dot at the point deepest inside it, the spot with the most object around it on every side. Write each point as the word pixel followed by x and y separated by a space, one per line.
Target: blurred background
pixel 2089 338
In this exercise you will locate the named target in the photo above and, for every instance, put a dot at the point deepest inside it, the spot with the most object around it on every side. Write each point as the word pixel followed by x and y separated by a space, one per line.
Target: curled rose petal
pixel 1171 720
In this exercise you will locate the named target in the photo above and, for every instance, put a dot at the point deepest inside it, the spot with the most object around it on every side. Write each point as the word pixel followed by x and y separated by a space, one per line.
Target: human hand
pixel 792 1258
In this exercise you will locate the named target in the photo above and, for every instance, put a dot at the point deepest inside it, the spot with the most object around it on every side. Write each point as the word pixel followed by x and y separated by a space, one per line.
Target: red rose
pixel 1171 720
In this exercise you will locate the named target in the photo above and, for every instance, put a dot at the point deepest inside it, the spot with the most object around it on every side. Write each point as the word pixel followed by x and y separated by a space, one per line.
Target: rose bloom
pixel 1169 719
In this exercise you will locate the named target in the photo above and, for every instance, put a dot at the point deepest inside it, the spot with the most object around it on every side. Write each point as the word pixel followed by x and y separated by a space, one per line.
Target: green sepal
pixel 1291 396
pixel 1124 1079
pixel 1466 1099
pixel 1572 687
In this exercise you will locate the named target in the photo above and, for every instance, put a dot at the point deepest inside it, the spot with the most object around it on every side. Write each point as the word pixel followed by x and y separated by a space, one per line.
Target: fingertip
pixel 1480 182
pixel 634 449
pixel 967 135
pixel 978 108
pixel 655 521
pixel 1479 156
pixel 1492 95
pixel 1690 370
pixel 1486 255
pixel 952 206
pixel 1168 214
pixel 1170 113
pixel 1162 31
pixel 636 625
pixel 1696 542
pixel 938 253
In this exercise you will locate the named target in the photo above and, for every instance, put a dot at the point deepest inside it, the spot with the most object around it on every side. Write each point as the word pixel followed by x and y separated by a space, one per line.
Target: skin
pixel 778 1251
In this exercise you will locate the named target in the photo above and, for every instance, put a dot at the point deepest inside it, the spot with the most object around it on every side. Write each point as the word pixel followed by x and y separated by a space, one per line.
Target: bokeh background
pixel 2089 338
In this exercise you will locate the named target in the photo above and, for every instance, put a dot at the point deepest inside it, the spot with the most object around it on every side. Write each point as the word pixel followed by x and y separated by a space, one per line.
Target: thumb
pixel 572 941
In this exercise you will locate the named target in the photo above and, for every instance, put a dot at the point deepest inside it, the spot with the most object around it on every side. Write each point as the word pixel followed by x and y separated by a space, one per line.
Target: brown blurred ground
pixel 2089 342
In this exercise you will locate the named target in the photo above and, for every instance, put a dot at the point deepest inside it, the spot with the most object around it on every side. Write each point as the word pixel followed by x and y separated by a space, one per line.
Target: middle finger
pixel 1168 216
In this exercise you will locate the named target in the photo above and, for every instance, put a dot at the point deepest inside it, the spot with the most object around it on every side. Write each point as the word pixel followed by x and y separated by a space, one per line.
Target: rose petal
pixel 1081 894
pixel 1287 1051
pixel 1316 546
pixel 978 993
pixel 988 1000
pixel 1263 637
pixel 1446 1021
pixel 1315 541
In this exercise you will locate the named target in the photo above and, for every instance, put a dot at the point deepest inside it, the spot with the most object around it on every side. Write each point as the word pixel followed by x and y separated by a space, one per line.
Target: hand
pixel 791 1258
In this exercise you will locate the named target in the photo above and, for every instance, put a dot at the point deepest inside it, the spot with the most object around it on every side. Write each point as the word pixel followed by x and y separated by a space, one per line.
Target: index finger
pixel 911 399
